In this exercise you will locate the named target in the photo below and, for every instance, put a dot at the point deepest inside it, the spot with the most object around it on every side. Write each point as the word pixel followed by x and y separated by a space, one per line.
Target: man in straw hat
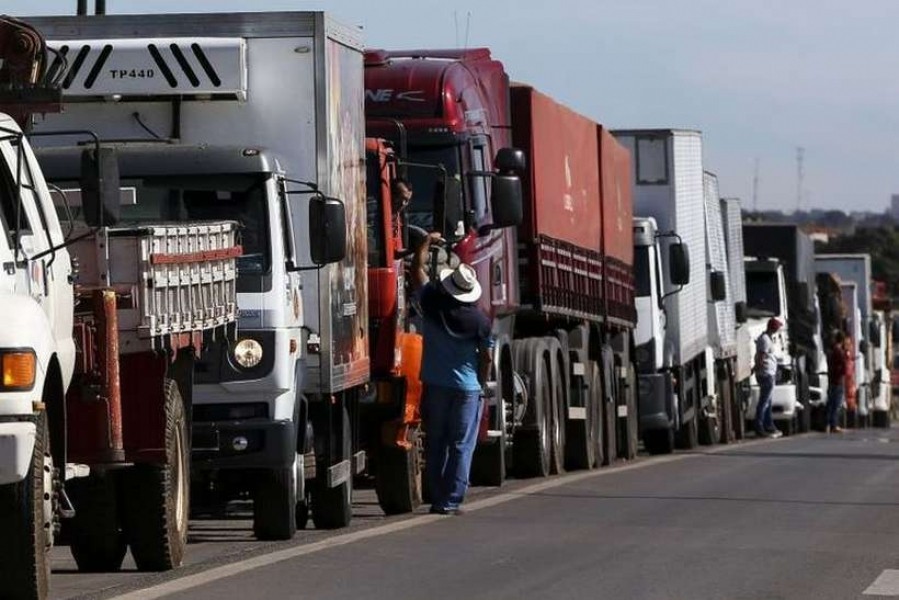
pixel 456 360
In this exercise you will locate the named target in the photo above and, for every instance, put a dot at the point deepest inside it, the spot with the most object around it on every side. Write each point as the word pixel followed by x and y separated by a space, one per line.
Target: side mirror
pixel 327 230
pixel 510 160
pixel 100 194
pixel 679 264
pixel 718 286
pixel 506 201
pixel 740 312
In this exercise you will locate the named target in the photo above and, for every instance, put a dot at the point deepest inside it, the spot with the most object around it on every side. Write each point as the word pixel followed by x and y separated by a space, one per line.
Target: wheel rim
pixel 48 499
pixel 180 486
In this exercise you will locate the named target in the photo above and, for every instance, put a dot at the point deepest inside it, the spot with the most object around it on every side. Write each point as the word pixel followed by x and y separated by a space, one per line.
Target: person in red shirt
pixel 836 380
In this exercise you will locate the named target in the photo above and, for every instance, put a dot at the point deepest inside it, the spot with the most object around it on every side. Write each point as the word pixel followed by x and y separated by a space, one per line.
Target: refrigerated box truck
pixel 256 117
pixel 677 370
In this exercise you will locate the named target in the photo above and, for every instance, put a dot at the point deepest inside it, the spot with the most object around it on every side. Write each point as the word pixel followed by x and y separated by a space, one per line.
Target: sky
pixel 760 78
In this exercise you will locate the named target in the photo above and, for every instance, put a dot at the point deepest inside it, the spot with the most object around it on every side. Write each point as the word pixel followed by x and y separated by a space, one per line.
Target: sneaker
pixel 436 510
pixel 775 434
pixel 836 429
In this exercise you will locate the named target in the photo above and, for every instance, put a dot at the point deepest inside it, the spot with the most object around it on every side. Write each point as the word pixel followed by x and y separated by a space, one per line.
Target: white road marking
pixel 886 584
pixel 236 568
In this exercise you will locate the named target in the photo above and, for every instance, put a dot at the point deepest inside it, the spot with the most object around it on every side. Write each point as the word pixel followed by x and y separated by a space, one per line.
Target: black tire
pixel 727 393
pixel 787 427
pixel 659 441
pixel 687 436
pixel 629 426
pixel 95 535
pixel 804 422
pixel 710 426
pixel 26 532
pixel 531 443
pixel 398 477
pixel 881 419
pixel 580 447
pixel 275 505
pixel 332 507
pixel 488 465
pixel 559 413
pixel 609 410
pixel 156 498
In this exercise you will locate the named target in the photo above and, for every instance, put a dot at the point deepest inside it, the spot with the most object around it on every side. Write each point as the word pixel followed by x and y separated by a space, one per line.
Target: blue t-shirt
pixel 454 333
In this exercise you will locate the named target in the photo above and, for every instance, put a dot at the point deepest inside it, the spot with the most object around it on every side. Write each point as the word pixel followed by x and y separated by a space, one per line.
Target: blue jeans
pixel 763 419
pixel 451 419
pixel 834 402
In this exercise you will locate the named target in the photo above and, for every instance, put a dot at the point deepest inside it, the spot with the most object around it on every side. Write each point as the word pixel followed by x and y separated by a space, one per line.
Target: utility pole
pixel 755 186
pixel 800 175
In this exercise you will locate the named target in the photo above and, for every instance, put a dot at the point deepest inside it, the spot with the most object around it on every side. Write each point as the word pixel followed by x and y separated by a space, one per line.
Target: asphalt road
pixel 806 517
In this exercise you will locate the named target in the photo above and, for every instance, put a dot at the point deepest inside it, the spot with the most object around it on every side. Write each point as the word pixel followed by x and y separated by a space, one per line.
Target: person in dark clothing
pixel 456 360
pixel 836 381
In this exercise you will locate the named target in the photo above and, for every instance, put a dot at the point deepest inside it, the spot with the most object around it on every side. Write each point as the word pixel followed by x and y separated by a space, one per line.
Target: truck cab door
pixel 292 280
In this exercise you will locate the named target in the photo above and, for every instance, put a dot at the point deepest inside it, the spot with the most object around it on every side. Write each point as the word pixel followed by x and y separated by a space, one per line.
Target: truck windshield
pixel 642 271
pixel 377 256
pixel 183 198
pixel 762 295
pixel 426 183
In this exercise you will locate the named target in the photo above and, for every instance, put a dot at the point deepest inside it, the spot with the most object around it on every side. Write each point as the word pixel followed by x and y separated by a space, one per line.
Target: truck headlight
pixel 19 369
pixel 248 353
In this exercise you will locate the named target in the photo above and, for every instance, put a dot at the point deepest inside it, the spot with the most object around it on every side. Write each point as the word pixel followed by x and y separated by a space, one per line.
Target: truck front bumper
pixel 261 444
pixel 656 401
pixel 783 402
pixel 16 450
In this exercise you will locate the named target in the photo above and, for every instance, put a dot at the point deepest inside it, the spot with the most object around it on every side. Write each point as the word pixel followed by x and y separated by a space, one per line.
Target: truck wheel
pixel 629 426
pixel 787 427
pixel 531 446
pixel 275 504
pixel 580 449
pixel 687 437
pixel 157 497
pixel 659 441
pixel 332 507
pixel 726 391
pixel 609 409
pixel 26 519
pixel 398 477
pixel 710 425
pixel 488 465
pixel 804 422
pixel 559 416
pixel 95 537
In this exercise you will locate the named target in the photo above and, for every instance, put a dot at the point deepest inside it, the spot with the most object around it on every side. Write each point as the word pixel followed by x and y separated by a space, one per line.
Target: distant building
pixel 894 206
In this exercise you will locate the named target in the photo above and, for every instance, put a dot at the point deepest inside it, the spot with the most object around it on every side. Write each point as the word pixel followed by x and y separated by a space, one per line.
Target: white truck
pixel 98 360
pixel 856 268
pixel 721 314
pixel 675 361
pixel 256 117
pixel 732 217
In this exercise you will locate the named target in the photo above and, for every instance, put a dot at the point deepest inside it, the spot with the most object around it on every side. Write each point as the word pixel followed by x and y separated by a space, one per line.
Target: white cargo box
pixel 668 186
pixel 286 83
pixel 722 320
pixel 169 279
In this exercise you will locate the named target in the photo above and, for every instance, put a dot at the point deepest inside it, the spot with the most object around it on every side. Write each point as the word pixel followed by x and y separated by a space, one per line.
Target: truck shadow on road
pixel 593 496
pixel 736 453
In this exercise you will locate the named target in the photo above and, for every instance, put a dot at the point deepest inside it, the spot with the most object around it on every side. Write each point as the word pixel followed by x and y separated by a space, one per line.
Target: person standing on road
pixel 765 371
pixel 456 361
pixel 836 381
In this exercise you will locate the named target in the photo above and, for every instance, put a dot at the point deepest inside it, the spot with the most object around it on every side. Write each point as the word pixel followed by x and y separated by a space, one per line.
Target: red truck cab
pixel 448 112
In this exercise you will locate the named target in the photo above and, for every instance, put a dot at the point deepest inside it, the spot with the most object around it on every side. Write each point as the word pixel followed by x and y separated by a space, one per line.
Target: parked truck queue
pixel 207 245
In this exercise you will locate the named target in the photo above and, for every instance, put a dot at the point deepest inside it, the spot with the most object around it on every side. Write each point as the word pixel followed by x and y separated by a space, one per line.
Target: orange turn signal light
pixel 19 368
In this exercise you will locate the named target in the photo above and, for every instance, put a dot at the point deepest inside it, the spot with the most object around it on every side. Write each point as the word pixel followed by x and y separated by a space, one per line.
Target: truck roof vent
pixel 158 67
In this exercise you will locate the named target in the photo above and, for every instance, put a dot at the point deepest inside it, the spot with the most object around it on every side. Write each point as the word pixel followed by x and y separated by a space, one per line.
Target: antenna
pixel 755 186
pixel 467 28
pixel 800 175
